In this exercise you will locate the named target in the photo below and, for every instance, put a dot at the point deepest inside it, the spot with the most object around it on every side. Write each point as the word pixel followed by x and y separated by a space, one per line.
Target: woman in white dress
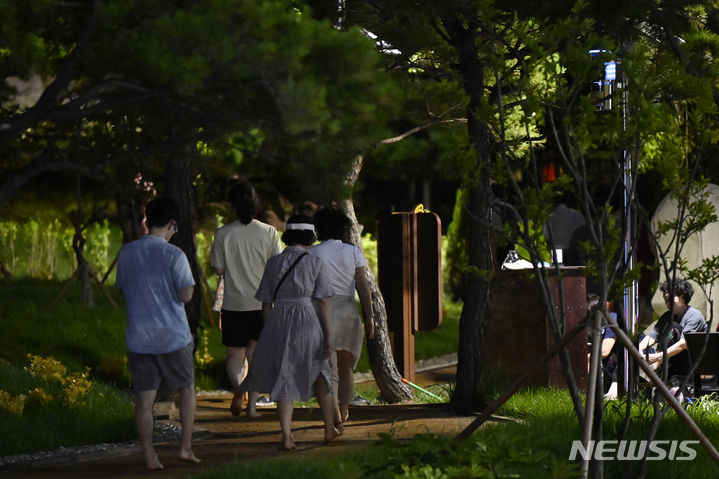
pixel 291 360
pixel 346 273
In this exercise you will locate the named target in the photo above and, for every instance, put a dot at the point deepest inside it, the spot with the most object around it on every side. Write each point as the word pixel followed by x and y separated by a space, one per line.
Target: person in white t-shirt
pixel 239 253
pixel 345 266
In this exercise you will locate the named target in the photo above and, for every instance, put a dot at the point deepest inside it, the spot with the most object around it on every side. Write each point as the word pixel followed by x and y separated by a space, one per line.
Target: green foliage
pixel 444 339
pixel 548 420
pixel 30 248
pixel 276 90
pixel 99 244
pixel 262 84
pixel 695 212
pixel 8 237
pixel 537 445
pixel 538 403
pixel 41 248
pixel 495 451
pixel 327 467
pixel 369 248
pixel 455 258
pixel 706 274
pixel 46 407
pixel 78 337
pixel 58 330
pixel 210 373
pixel 430 344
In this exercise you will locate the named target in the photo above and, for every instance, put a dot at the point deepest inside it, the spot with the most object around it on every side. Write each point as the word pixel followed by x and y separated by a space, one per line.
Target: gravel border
pixel 162 432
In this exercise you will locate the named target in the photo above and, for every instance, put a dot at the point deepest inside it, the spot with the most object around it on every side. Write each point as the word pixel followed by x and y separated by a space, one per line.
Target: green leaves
pixel 142 77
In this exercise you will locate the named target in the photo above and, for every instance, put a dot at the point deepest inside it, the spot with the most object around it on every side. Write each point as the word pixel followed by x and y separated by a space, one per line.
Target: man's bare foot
pixel 188 456
pixel 153 463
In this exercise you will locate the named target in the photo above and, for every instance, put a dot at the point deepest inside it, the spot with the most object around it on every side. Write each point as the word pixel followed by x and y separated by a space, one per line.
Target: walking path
pixel 221 438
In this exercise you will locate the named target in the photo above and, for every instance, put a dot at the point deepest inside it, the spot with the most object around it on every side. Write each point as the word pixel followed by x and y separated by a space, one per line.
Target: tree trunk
pixel 83 269
pixel 179 188
pixel 461 34
pixel 467 395
pixel 78 246
pixel 384 369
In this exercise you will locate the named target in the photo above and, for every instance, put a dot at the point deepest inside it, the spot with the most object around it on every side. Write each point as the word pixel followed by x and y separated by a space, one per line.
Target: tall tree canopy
pixel 133 81
pixel 130 92
pixel 523 75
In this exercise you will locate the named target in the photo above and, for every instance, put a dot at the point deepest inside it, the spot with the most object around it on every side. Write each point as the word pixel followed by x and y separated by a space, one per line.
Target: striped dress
pixel 288 357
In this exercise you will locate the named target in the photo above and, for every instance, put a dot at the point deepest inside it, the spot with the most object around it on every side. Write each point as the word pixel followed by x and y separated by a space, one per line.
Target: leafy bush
pixel 46 406
pixel 369 245
pixel 455 252
pixel 500 451
pixel 36 320
pixel 41 248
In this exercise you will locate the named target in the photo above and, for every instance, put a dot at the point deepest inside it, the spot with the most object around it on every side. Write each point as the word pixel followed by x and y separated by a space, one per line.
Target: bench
pixel 707 370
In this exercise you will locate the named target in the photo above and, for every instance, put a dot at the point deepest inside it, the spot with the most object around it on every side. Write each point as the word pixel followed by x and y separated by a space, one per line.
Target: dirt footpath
pixel 221 438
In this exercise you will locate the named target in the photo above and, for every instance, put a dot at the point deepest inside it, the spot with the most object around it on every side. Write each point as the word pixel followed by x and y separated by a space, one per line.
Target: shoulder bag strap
pixel 277 288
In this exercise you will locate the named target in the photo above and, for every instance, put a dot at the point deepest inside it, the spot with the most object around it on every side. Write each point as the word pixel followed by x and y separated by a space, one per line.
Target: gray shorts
pixel 174 370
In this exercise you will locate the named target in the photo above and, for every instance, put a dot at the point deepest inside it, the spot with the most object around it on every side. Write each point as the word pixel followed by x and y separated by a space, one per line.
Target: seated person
pixel 609 360
pixel 688 320
pixel 609 356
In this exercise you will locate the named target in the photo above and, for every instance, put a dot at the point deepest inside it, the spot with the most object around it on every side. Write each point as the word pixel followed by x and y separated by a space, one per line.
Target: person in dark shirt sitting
pixel 688 319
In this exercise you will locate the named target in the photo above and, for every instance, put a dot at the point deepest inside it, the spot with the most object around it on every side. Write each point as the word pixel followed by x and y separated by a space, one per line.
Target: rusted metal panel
pixel 517 330
pixel 429 271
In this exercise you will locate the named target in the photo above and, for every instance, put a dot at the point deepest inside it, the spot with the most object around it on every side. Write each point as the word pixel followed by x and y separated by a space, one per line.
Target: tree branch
pixel 50 95
pixel 51 160
pixel 678 51
pixel 417 129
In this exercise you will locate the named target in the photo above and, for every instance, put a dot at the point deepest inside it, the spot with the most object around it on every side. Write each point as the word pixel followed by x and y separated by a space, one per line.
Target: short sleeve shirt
pixel 150 271
pixel 607 332
pixel 308 279
pixel 691 322
pixel 341 260
pixel 242 251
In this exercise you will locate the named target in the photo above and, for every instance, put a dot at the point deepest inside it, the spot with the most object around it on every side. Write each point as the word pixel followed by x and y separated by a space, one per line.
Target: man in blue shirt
pixel 156 280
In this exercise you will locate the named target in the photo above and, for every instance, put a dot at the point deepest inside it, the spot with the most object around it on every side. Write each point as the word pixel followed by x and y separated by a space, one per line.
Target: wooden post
pixel 404 338
pixel 410 277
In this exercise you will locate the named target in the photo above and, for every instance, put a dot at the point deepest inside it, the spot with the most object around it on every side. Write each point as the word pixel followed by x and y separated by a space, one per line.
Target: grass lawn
pixel 55 407
pixel 45 349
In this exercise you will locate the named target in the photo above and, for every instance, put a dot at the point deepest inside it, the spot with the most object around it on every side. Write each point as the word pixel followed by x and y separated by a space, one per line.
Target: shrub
pixel 44 406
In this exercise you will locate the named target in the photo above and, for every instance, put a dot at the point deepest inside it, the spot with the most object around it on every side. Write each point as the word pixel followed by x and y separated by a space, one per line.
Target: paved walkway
pixel 221 438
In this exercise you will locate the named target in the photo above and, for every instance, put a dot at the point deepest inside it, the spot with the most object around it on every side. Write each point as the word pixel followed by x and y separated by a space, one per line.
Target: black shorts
pixel 241 327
